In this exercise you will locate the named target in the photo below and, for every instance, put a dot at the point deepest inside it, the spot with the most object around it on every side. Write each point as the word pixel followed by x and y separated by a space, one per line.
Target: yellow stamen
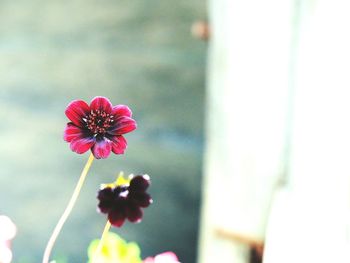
pixel 67 211
pixel 119 181
pixel 100 244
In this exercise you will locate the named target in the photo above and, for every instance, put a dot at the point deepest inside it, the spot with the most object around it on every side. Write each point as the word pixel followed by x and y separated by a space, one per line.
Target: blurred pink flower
pixel 166 257
pixel 7 232
pixel 99 126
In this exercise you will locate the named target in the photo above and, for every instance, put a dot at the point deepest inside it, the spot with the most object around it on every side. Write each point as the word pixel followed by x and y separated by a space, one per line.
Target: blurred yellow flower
pixel 115 250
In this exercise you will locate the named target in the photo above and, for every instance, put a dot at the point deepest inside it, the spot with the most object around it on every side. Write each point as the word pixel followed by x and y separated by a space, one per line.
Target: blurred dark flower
pixel 125 201
pixel 98 126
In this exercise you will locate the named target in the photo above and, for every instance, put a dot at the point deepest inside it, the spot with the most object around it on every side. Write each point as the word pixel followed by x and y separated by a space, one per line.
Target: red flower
pixel 98 126
pixel 122 202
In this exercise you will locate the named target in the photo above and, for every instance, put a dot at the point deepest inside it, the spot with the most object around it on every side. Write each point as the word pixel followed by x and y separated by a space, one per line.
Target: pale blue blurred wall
pixel 139 53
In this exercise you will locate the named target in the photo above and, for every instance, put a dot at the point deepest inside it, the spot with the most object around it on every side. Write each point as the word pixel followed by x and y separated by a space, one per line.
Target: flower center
pixel 98 121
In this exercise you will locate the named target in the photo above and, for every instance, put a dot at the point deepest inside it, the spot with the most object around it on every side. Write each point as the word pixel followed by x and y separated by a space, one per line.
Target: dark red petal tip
pixel 134 214
pixel 102 149
pixel 105 207
pixel 121 110
pixel 105 194
pixel 82 145
pixel 72 132
pixel 118 213
pixel 140 183
pixel 76 111
pixel 116 218
pixel 141 199
pixel 123 125
pixel 119 144
pixel 101 103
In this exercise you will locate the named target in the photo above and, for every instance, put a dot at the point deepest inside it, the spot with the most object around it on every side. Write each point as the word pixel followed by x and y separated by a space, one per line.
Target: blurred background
pixel 274 76
pixel 276 170
pixel 139 53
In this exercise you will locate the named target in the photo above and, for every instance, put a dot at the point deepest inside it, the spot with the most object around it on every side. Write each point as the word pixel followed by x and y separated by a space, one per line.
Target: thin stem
pixel 99 246
pixel 67 211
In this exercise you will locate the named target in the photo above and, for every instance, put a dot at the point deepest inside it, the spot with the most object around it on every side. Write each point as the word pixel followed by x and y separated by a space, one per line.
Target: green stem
pixel 99 246
pixel 67 211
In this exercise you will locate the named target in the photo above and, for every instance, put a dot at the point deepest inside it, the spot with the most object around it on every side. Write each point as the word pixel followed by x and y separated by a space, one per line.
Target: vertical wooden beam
pixel 246 121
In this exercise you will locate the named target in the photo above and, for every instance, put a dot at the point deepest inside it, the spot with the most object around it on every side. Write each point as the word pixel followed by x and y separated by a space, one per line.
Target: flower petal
pixel 116 218
pixel 82 145
pixel 101 103
pixel 148 260
pixel 106 198
pixel 121 110
pixel 102 148
pixel 122 125
pixel 141 199
pixel 105 206
pixel 76 111
pixel 139 183
pixel 72 132
pixel 166 257
pixel 134 213
pixel 119 144
pixel 118 215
